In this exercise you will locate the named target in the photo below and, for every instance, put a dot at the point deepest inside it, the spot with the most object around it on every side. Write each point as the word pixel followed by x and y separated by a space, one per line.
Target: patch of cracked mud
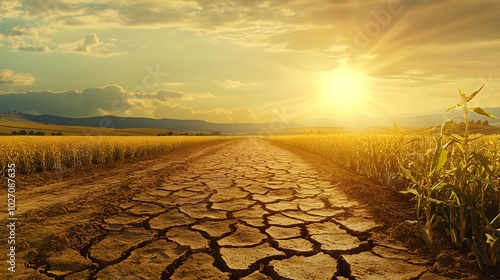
pixel 250 211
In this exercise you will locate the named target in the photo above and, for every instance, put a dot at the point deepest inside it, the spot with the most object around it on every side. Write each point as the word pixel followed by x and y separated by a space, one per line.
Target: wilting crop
pixel 453 175
pixel 37 154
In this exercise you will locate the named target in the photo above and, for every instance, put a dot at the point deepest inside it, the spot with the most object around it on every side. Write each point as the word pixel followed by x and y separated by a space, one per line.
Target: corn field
pixel 37 154
pixel 453 175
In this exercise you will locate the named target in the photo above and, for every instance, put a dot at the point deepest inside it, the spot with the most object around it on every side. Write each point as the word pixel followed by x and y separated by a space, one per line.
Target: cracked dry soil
pixel 242 209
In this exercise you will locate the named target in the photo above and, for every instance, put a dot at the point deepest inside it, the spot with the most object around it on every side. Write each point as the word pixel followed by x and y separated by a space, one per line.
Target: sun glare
pixel 345 86
pixel 345 90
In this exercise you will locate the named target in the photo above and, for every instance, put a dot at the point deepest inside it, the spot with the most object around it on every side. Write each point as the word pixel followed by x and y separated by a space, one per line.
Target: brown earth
pixel 243 209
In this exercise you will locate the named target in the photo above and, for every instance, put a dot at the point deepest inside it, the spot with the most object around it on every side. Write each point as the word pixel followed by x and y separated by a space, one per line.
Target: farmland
pixel 457 188
pixel 37 154
pixel 272 189
pixel 344 199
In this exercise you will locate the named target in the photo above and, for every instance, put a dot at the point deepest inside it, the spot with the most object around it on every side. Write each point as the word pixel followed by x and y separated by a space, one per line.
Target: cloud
pixel 18 31
pixel 26 39
pixel 227 83
pixel 27 47
pixel 297 25
pixel 8 77
pixel 165 94
pixel 114 100
pixel 10 9
pixel 93 46
pixel 89 102
pixel 172 84
pixel 196 96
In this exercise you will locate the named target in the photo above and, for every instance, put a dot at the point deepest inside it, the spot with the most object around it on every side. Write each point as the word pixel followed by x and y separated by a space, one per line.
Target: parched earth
pixel 242 209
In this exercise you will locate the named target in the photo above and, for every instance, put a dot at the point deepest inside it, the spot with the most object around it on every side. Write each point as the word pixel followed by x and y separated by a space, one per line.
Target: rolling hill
pixel 114 125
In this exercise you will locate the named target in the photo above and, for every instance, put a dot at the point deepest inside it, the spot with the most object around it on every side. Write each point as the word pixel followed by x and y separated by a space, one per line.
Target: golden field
pixel 38 154
pixel 454 179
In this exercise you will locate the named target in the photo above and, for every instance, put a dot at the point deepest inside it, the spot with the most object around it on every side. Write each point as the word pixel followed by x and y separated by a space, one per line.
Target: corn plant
pixel 470 189
pixel 452 173
pixel 460 194
pixel 39 154
pixel 423 173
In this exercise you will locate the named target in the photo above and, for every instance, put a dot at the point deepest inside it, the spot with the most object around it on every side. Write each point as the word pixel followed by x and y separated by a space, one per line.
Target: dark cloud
pixel 89 102
pixel 14 33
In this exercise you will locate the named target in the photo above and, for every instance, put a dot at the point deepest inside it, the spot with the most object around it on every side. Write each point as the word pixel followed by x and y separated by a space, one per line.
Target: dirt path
pixel 240 209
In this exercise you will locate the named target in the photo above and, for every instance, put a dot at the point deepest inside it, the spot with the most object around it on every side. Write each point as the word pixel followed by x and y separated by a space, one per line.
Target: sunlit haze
pixel 245 61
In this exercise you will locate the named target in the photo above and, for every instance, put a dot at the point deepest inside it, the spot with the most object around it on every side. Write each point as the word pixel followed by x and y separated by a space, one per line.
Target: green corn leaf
pixel 441 160
pixel 469 98
pixel 408 175
pixel 436 201
pixel 482 112
pixel 453 107
pixel 410 191
pixel 458 137
pixel 455 142
pixel 435 158
pixel 439 186
pixel 484 162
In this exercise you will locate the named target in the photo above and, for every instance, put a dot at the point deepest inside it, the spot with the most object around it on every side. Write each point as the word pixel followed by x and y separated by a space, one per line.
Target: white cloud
pixel 93 46
pixel 9 9
pixel 227 83
pixel 167 94
pixel 8 77
pixel 31 48
pixel 196 96
pixel 172 84
pixel 26 39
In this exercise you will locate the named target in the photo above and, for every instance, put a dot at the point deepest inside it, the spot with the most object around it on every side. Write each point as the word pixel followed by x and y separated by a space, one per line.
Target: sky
pixel 245 60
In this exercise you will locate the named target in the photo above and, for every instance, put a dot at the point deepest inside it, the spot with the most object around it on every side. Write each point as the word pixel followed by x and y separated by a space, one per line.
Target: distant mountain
pixel 409 121
pixel 173 124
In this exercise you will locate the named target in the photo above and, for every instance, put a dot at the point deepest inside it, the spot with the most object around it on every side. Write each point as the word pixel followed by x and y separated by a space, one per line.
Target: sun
pixel 344 87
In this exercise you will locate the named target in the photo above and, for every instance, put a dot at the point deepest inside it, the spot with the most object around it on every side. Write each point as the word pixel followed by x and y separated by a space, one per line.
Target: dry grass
pixel 37 154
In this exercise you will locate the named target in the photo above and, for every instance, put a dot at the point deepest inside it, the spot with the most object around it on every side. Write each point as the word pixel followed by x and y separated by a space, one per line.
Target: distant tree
pixel 478 122
pixel 40 133
pixel 59 134
pixel 486 123
pixel 32 132
pixel 14 132
pixel 22 132
pixel 170 133
pixel 53 134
